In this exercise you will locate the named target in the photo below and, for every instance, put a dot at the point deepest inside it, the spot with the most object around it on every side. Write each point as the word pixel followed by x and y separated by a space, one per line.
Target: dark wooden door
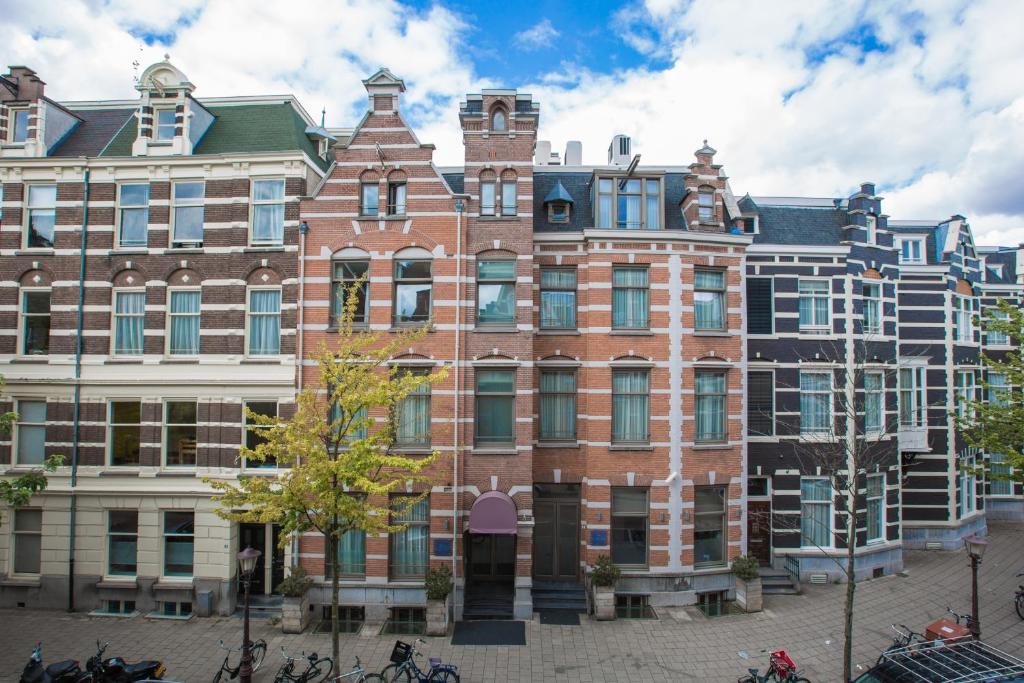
pixel 277 561
pixel 255 536
pixel 759 530
pixel 556 540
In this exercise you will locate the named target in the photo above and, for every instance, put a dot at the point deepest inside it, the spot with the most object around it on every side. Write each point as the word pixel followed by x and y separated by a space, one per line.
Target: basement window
pixel 408 621
pixel 120 608
pixel 633 607
pixel 172 610
pixel 350 619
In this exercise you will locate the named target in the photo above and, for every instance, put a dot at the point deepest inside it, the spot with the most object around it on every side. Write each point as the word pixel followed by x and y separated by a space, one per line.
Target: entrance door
pixel 492 557
pixel 759 530
pixel 556 540
pixel 265 538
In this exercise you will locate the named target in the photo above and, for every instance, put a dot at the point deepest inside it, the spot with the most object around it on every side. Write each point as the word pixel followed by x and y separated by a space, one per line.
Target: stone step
pixel 779 590
pixel 559 594
pixel 560 605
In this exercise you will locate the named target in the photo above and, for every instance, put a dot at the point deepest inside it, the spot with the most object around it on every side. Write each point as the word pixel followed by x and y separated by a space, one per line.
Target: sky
pixel 800 97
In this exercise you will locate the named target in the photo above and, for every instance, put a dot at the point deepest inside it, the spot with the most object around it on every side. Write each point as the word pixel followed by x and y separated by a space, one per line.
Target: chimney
pixel 384 90
pixel 619 153
pixel 542 153
pixel 573 153
pixel 27 85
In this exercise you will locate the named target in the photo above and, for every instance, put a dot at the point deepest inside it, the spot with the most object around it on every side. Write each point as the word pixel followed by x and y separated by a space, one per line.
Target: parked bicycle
pixel 404 668
pixel 258 651
pixel 781 669
pixel 1018 598
pixel 356 675
pixel 962 619
pixel 316 669
pixel 902 639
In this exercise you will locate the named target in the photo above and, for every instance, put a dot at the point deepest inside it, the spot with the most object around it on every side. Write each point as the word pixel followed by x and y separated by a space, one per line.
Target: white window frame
pixel 183 204
pixel 22 315
pixel 868 498
pixel 171 316
pixel 911 260
pixel 817 326
pixel 14 536
pixel 872 305
pixel 963 319
pixel 118 215
pixel 968 485
pixel 16 436
pixel 12 119
pixel 157 125
pixel 253 203
pixel 964 391
pixel 248 315
pixel 29 208
pixel 1001 339
pixel 165 423
pixel 917 393
pixel 113 321
pixel 830 535
pixel 830 425
pixel 871 223
pixel 1005 486
pixel 880 392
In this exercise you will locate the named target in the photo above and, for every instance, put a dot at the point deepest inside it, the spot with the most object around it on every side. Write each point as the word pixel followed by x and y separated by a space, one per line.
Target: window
pixel 407 549
pixel 710 406
pixel 814 306
pixel 28 539
pixel 31 434
pixel 188 214
pixel 709 300
pixel 129 323
pixel 631 606
pixel 133 214
pixel 42 215
pixel 760 403
pixel 413 415
pixel 557 299
pixel 396 198
pixel 122 542
pixel 630 406
pixel 18 119
pixel 760 306
pixel 268 211
pixel 174 610
pixel 871 223
pixel 123 607
pixel 629 526
pixel 413 285
pixel 346 274
pixel 165 124
pixel 369 193
pixel 498 120
pixel 496 292
pixel 815 402
pixel 872 299
pixel 179 543
pixel 557 405
pixel 405 621
pixel 993 337
pixel 963 325
pixel 35 322
pixel 180 433
pixel 709 529
pixel 964 392
pixel 911 251
pixel 351 555
pixel 487 193
pixel 629 203
pixel 629 298
pixel 876 507
pixel 997 390
pixel 183 327
pixel 912 397
pixel 495 407
pixel 999 482
pixel 254 432
pixel 558 212
pixel 706 204
pixel 967 488
pixel 508 193
pixel 874 402
pixel 125 432
pixel 815 512
pixel 264 322
pixel 350 618
pixel 757 487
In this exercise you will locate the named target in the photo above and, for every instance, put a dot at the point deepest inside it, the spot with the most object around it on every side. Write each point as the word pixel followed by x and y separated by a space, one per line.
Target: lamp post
pixel 246 565
pixel 975 546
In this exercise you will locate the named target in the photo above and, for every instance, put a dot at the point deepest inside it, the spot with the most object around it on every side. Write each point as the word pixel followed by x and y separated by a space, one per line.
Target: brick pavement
pixel 680 646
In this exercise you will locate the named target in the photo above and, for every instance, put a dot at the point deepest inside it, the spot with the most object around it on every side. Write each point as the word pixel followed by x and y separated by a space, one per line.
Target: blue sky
pixel 800 97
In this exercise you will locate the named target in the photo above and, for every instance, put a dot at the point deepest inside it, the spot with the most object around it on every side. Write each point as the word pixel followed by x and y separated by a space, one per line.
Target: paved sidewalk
pixel 679 646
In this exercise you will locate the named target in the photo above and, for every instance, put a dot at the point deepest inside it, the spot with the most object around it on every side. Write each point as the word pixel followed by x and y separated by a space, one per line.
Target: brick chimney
pixel 21 84
pixel 702 204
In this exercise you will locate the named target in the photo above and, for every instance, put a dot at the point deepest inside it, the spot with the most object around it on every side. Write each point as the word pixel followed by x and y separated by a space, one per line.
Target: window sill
pixel 128 251
pixel 815 330
pixel 626 447
pixel 557 444
pixel 712 333
pixel 405 327
pixel 762 438
pixel 483 450
pixel 263 248
pixel 632 333
pixel 21 581
pixel 167 583
pixel 119 473
pixel 495 329
pixel 180 361
pixel 258 360
pixel 498 219
pixel 712 446
pixel 412 450
pixel 356 327
pixel 271 472
pixel 183 250
pixel 818 438
pixel 35 251
pixel 118 582
pixel 185 471
pixel 553 332
pixel 30 359
pixel 393 217
pixel 123 361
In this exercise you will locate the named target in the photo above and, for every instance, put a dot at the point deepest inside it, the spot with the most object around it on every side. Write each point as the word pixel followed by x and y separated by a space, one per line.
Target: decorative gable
pixel 170 121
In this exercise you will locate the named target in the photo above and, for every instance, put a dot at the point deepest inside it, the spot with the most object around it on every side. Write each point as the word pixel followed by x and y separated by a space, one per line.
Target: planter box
pixel 748 594
pixel 295 614
pixel 437 616
pixel 604 603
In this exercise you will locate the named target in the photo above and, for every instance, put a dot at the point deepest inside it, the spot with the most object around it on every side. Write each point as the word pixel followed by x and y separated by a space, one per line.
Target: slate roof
pixel 559 194
pixel 92 134
pixel 928 228
pixel 578 186
pixel 808 225
pixel 1004 256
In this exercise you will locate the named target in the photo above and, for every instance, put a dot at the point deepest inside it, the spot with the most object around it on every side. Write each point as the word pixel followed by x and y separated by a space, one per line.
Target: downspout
pixel 303 231
pixel 459 206
pixel 78 393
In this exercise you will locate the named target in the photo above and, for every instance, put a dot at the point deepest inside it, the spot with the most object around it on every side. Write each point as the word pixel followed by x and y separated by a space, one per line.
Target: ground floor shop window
pixel 709 532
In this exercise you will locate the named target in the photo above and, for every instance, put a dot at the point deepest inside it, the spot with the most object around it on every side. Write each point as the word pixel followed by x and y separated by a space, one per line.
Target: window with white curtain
pixel 188 214
pixel 351 555
pixel 129 323
pixel 31 432
pixel 964 392
pixel 815 512
pixel 413 415
pixel 268 211
pixel 997 390
pixel 183 322
pixel 709 300
pixel 999 482
pixel 630 406
pixel 963 325
pixel 630 309
pixel 629 203
pixel 710 404
pixel 557 299
pixel 967 502
pixel 264 322
pixel 874 402
pixel 994 337
pixel 133 214
pixel 816 403
pixel 872 300
pixel 557 405
pixel 408 549
pixel 815 305
pixel 875 496
pixel 913 407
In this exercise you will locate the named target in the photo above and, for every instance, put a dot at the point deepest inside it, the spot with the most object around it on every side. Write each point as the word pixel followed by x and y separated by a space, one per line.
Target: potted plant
pixel 603 578
pixel 748 582
pixel 439 587
pixel 295 608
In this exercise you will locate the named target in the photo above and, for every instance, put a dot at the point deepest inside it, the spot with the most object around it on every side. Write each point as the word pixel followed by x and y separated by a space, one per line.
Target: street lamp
pixel 975 546
pixel 246 565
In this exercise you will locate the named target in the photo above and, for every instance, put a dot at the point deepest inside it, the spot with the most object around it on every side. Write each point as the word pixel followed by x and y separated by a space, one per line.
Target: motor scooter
pixel 116 670
pixel 67 671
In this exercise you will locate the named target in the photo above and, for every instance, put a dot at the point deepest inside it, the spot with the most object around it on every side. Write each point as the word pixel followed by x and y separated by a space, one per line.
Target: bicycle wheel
pixel 216 676
pixel 1020 605
pixel 372 678
pixel 395 672
pixel 327 663
pixel 444 676
pixel 258 651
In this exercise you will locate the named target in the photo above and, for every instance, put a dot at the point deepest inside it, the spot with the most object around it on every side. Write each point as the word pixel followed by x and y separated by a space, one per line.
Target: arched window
pixel 349 267
pixel 369 194
pixel 396 193
pixel 488 183
pixel 508 193
pixel 499 122
pixel 413 286
pixel 496 289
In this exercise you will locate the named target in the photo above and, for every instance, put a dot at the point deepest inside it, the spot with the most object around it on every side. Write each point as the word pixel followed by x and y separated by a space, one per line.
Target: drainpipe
pixel 303 231
pixel 459 207
pixel 78 393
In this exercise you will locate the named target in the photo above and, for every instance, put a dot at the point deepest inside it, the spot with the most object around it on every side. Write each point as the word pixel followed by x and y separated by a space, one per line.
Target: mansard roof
pixel 797 220
pixel 94 132
pixel 1000 265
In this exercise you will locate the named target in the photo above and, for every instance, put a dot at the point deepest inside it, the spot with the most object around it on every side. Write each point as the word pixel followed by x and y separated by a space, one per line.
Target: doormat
pixel 489 633
pixel 559 617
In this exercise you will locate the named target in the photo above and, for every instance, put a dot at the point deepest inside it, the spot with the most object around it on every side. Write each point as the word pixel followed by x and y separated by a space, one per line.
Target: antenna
pixel 323 114
pixel 380 155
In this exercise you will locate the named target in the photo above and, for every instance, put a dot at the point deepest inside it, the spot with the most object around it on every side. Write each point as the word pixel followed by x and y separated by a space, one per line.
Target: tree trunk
pixel 851 586
pixel 332 545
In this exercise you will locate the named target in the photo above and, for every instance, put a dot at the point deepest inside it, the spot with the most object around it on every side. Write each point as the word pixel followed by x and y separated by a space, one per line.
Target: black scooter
pixel 116 670
pixel 66 671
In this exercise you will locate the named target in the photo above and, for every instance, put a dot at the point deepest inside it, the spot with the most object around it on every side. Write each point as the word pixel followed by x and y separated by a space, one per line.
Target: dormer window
pixel 911 251
pixel 164 124
pixel 324 146
pixel 17 125
pixel 629 203
pixel 558 212
pixel 499 122
pixel 706 204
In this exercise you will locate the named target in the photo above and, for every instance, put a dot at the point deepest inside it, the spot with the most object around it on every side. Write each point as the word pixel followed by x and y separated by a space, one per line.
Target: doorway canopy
pixel 493 513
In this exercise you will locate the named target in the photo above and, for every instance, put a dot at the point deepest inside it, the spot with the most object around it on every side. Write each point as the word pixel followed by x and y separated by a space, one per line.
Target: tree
pixel 996 425
pixel 337 470
pixel 17 492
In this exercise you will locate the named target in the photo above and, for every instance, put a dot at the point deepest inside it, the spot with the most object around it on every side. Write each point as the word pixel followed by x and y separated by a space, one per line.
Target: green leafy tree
pixel 17 492
pixel 995 423
pixel 337 469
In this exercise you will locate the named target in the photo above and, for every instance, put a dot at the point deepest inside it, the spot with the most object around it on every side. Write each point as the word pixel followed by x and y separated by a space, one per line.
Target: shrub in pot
pixel 439 587
pixel 603 578
pixel 748 583
pixel 295 607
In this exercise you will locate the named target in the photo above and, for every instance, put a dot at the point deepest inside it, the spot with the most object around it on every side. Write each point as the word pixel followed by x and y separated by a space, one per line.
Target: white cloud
pixel 539 36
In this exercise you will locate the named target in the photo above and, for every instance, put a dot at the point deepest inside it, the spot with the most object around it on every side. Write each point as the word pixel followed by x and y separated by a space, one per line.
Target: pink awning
pixel 493 513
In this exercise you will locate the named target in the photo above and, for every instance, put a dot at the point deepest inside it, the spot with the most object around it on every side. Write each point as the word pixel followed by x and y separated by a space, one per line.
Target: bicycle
pixel 781 669
pixel 405 669
pixel 257 650
pixel 967 619
pixel 357 673
pixel 900 641
pixel 1019 599
pixel 314 669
